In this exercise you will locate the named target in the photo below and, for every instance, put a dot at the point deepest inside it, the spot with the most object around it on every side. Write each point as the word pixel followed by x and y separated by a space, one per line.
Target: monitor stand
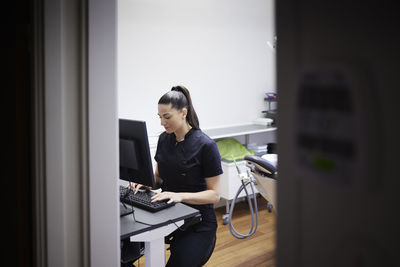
pixel 124 210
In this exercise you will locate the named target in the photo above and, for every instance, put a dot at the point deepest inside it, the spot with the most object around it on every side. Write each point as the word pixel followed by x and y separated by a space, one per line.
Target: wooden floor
pixel 253 251
pixel 256 250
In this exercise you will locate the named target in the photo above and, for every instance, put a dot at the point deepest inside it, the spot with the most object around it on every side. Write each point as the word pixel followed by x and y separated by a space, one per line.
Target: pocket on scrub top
pixel 189 167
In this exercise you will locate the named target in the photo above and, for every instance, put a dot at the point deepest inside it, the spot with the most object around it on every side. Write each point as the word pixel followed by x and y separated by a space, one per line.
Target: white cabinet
pixel 230 182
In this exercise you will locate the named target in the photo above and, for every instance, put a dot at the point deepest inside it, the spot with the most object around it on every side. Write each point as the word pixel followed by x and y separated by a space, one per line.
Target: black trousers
pixel 191 248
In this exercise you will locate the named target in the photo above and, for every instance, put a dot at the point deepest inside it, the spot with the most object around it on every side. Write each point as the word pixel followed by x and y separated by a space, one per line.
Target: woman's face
pixel 171 118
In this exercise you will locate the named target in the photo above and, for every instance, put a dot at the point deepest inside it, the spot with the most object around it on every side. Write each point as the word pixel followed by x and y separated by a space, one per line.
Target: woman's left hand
pixel 173 197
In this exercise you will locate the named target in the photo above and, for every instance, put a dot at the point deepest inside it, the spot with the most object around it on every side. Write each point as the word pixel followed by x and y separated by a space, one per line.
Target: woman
pixel 188 169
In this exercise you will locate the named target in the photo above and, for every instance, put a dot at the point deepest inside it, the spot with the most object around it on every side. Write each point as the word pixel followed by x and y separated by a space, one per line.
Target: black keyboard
pixel 142 199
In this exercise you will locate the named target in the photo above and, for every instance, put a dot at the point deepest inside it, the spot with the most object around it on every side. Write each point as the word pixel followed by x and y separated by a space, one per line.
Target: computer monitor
pixel 135 163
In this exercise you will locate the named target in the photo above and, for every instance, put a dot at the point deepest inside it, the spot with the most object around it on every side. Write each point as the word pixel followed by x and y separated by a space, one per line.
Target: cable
pixel 133 210
pixel 253 210
pixel 177 226
pixel 133 215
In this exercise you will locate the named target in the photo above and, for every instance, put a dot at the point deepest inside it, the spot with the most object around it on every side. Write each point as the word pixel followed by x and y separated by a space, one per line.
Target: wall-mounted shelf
pixel 237 130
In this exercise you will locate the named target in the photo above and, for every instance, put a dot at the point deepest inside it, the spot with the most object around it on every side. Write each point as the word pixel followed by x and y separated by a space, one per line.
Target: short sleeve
pixel 211 160
pixel 157 155
pixel 159 147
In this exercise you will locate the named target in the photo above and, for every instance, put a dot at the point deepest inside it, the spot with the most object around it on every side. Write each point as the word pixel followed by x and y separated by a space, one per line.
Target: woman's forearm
pixel 208 196
pixel 198 198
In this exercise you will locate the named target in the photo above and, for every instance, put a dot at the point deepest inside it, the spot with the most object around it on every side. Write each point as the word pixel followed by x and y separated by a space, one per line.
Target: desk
pixel 161 223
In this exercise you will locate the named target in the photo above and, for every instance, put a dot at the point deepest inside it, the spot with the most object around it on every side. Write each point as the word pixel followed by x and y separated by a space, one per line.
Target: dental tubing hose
pixel 246 180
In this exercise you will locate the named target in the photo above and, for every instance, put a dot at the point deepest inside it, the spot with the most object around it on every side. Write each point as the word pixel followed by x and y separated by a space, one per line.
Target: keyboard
pixel 142 199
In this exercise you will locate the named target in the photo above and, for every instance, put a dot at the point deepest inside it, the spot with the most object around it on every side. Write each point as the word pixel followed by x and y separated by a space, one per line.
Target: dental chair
pixel 265 173
pixel 262 173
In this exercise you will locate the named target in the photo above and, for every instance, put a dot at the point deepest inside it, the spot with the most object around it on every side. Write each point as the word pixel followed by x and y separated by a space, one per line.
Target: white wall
pixel 217 49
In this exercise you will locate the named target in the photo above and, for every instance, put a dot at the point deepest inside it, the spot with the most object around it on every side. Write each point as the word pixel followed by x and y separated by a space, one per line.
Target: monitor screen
pixel 135 163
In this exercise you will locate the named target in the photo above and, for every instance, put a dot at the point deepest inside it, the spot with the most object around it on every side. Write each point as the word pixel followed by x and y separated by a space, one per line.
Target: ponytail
pixel 179 98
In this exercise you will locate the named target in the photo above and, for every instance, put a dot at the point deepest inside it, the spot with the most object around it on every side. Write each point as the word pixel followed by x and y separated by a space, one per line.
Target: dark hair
pixel 179 98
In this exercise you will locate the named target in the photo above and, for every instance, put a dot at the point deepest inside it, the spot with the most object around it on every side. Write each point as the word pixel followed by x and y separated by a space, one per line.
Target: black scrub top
pixel 184 166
